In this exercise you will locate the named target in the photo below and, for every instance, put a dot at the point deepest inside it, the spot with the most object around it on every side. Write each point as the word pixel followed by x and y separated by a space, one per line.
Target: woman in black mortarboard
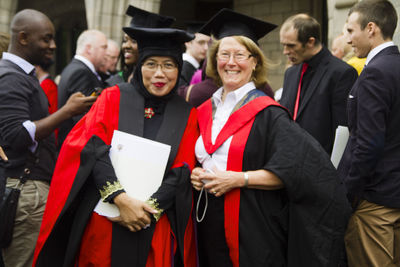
pixel 129 50
pixel 157 232
pixel 274 197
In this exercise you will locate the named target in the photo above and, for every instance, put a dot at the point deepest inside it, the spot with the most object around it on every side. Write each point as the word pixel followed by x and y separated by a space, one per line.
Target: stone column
pixel 7 11
pixel 338 10
pixel 396 37
pixel 109 16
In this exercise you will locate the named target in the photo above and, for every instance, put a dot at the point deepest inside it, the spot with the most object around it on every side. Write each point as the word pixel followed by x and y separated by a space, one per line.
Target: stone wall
pixel 7 11
pixel 396 37
pixel 338 10
pixel 276 11
pixel 109 16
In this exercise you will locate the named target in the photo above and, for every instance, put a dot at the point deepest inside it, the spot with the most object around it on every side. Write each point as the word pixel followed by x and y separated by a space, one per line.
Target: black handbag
pixel 8 209
pixel 9 204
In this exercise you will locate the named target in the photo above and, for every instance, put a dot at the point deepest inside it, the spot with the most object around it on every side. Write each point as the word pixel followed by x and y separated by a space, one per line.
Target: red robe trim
pixel 239 125
pixel 102 123
pixel 64 174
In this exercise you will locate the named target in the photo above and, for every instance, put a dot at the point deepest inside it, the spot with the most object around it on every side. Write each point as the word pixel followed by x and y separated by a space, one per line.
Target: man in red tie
pixel 316 87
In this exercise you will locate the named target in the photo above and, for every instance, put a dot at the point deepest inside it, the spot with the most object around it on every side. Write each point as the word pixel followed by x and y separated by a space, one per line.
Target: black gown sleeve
pixel 164 198
pixel 317 205
pixel 104 176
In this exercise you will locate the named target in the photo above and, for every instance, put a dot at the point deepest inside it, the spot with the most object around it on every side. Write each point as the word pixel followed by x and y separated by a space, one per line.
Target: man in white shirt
pixel 370 167
pixel 81 74
pixel 26 130
pixel 196 52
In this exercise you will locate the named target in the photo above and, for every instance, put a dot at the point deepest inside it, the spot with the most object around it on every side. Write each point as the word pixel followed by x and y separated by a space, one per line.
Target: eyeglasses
pixel 238 57
pixel 165 67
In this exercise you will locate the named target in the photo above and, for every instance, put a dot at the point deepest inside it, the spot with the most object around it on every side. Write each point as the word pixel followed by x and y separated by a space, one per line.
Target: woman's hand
pixel 195 178
pixel 221 182
pixel 134 214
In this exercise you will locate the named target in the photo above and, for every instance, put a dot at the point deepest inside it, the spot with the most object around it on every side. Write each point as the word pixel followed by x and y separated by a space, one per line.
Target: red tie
pixel 296 107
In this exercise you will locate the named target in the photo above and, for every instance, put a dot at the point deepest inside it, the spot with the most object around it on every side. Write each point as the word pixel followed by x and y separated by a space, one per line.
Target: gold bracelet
pixel 246 179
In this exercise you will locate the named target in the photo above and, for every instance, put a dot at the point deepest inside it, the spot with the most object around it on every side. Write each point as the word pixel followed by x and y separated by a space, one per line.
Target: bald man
pixel 26 128
pixel 82 73
pixel 340 48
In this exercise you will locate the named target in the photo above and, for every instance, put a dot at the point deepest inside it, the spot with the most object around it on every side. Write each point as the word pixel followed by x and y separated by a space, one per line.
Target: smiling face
pixel 159 75
pixel 129 50
pixel 41 43
pixel 234 73
pixel 357 37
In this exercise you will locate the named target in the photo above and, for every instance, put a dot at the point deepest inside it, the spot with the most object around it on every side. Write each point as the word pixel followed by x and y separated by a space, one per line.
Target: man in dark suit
pixel 27 129
pixel 196 52
pixel 370 166
pixel 81 74
pixel 315 89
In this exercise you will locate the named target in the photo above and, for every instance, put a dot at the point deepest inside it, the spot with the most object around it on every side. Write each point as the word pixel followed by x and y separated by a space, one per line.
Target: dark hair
pixel 306 27
pixel 380 12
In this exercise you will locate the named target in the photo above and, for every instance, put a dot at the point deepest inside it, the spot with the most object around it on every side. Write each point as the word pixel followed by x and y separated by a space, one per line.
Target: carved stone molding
pixel 340 4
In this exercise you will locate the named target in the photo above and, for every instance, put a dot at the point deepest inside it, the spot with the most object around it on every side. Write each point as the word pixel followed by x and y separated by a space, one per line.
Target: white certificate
pixel 139 164
pixel 341 137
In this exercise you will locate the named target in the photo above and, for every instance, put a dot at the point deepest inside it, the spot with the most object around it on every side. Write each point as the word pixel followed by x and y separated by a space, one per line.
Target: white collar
pixel 376 50
pixel 86 62
pixel 189 58
pixel 236 94
pixel 19 61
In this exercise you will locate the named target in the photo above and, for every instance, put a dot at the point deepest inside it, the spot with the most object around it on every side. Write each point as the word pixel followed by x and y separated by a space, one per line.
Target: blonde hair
pixel 259 75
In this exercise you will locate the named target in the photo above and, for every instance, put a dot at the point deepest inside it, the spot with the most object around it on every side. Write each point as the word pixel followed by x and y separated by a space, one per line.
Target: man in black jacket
pixel 315 89
pixel 196 52
pixel 370 166
pixel 26 129
pixel 82 73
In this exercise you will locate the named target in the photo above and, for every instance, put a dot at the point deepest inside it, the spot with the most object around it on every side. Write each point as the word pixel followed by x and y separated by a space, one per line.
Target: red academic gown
pixel 300 225
pixel 50 89
pixel 71 233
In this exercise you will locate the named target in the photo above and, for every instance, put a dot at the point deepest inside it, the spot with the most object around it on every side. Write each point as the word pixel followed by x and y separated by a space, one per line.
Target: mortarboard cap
pixel 194 26
pixel 146 19
pixel 159 41
pixel 230 23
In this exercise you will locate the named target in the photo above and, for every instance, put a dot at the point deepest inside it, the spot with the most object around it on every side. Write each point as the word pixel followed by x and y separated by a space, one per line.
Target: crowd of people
pixel 248 181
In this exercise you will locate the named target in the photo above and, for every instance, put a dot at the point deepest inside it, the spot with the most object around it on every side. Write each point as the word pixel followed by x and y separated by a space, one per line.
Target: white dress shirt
pixel 89 64
pixel 376 50
pixel 218 160
pixel 191 60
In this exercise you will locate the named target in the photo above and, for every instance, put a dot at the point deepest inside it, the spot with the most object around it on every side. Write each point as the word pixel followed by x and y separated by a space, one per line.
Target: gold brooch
pixel 148 113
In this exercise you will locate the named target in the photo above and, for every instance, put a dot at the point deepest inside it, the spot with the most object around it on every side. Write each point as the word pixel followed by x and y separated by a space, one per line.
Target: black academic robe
pixel 187 72
pixel 300 225
pixel 71 233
